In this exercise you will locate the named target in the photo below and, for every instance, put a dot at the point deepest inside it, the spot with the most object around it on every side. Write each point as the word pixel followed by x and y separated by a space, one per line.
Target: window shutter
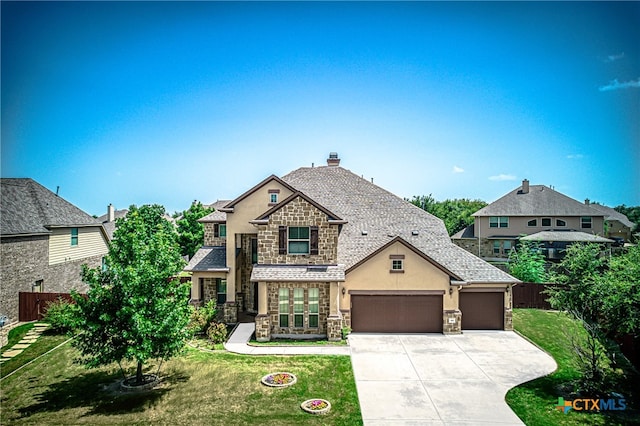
pixel 313 249
pixel 282 239
pixel 216 230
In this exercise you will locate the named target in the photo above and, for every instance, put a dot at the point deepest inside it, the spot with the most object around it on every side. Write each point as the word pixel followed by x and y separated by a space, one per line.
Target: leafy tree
pixel 455 213
pixel 190 231
pixel 134 310
pixel 527 263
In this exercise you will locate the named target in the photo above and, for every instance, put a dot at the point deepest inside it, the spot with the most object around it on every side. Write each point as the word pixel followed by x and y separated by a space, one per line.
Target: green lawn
pixel 535 402
pixel 198 388
pixel 45 342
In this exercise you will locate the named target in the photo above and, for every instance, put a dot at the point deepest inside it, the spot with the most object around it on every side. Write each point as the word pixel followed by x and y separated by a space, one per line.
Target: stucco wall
pixel 518 225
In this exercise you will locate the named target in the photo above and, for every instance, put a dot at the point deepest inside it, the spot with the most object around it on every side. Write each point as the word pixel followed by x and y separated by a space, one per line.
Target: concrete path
pixel 238 343
pixel 433 379
pixel 31 336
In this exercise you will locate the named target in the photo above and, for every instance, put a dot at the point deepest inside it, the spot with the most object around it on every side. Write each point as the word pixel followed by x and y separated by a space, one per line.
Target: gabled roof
pixel 375 217
pixel 228 208
pixel 110 227
pixel 333 218
pixel 540 200
pixel 612 214
pixel 29 208
pixel 216 215
pixel 209 259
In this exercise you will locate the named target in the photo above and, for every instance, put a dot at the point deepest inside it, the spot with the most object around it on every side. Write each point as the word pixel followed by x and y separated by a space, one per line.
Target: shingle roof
pixel 612 214
pixel 110 227
pixel 540 200
pixel 568 236
pixel 29 208
pixel 216 215
pixel 383 216
pixel 209 258
pixel 306 273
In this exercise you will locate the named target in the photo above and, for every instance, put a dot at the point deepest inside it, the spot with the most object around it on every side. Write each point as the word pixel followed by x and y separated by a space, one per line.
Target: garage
pixel 400 312
pixel 483 310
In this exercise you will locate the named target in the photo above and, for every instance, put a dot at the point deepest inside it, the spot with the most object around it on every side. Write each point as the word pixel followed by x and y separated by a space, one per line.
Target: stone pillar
pixel 452 321
pixel 333 300
pixel 263 328
pixel 262 298
pixel 230 310
pixel 508 319
pixel 334 328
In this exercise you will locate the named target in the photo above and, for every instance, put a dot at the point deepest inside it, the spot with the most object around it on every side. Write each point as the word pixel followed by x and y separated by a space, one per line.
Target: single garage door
pixel 482 310
pixel 396 313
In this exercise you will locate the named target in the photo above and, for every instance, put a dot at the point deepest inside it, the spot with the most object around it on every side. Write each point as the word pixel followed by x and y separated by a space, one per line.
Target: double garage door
pixel 396 313
pixel 421 313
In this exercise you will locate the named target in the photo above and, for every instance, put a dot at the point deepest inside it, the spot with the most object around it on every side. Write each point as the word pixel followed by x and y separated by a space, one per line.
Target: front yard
pixel 198 388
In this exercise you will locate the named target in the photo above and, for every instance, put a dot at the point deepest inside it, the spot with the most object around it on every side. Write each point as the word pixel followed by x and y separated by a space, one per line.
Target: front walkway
pixel 31 336
pixel 238 343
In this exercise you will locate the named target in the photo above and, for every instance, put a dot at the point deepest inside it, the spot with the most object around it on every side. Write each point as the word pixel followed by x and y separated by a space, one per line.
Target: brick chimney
pixel 525 186
pixel 333 159
pixel 111 214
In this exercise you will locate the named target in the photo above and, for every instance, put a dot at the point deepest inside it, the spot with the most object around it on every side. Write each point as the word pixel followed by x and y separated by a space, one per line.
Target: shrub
pixel 217 332
pixel 62 315
pixel 201 317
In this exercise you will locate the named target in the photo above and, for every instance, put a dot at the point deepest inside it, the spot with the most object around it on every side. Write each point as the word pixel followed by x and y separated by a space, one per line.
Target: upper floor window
pixel 546 221
pixel 273 198
pixel 533 222
pixel 220 230
pixel 560 222
pixel 585 222
pixel 397 265
pixel 254 250
pixel 498 222
pixel 74 237
pixel 298 240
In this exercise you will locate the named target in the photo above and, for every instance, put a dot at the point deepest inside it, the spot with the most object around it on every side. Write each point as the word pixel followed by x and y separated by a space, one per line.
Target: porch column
pixel 263 325
pixel 334 320
pixel 333 299
pixel 262 298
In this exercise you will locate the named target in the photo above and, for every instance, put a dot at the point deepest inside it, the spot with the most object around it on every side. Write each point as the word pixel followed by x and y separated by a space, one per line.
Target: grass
pixel 45 343
pixel 535 402
pixel 16 334
pixel 197 388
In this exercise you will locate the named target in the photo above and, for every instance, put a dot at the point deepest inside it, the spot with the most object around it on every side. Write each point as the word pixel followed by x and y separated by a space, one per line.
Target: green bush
pixel 61 315
pixel 202 317
pixel 217 332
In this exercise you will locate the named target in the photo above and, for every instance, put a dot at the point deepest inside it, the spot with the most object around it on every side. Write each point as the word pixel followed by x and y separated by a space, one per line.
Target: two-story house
pixel 45 240
pixel 322 248
pixel 535 213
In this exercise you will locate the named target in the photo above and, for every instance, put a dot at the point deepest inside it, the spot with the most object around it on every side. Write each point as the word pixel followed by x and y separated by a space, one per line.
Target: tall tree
pixel 455 213
pixel 190 231
pixel 134 309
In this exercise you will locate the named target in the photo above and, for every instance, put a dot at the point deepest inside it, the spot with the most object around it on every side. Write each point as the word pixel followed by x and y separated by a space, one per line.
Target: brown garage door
pixel 482 311
pixel 402 313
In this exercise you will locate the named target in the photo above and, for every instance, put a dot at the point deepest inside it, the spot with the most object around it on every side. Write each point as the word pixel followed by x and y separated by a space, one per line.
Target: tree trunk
pixel 139 373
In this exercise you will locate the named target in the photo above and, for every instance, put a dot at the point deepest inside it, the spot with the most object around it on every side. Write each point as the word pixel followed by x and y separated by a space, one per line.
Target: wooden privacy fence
pixel 531 295
pixel 32 306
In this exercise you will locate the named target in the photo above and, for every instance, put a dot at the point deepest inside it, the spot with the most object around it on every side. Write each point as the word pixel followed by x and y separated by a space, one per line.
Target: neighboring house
pixel 618 227
pixel 321 248
pixel 109 220
pixel 537 212
pixel 45 240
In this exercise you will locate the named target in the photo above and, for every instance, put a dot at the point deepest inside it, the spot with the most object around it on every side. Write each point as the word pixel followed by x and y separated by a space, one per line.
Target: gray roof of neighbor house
pixel 110 227
pixel 612 214
pixel 29 208
pixel 568 236
pixel 216 215
pixel 540 200
pixel 375 217
pixel 209 258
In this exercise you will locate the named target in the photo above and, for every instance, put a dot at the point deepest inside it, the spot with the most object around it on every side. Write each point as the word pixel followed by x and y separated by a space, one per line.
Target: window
pixel 396 265
pixel 502 247
pixel 506 246
pixel 273 198
pixel 313 307
pixel 74 237
pixel 560 222
pixel 298 307
pixel 223 229
pixel 298 240
pixel 585 222
pixel 221 291
pixel 533 222
pixel 498 222
pixel 36 287
pixel 546 221
pixel 496 247
pixel 254 251
pixel 283 307
pixel 104 264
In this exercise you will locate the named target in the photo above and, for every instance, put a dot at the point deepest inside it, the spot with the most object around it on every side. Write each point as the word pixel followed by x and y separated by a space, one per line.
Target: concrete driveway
pixel 433 379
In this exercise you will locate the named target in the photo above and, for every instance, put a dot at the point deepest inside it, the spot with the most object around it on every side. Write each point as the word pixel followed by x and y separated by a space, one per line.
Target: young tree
pixel 190 231
pixel 134 310
pixel 526 263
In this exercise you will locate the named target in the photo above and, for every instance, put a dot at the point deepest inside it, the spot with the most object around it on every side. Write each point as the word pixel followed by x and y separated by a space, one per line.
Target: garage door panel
pixel 482 310
pixel 396 313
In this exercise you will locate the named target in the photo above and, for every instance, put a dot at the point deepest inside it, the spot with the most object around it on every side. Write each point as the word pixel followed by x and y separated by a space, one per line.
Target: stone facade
pixel 471 245
pixel 25 260
pixel 273 313
pixel 508 319
pixel 298 212
pixel 451 322
pixel 230 313
pixel 209 236
pixel 346 317
pixel 263 328
pixel 334 328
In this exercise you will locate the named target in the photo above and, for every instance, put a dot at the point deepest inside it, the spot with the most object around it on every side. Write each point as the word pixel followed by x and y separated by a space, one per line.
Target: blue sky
pixel 163 102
